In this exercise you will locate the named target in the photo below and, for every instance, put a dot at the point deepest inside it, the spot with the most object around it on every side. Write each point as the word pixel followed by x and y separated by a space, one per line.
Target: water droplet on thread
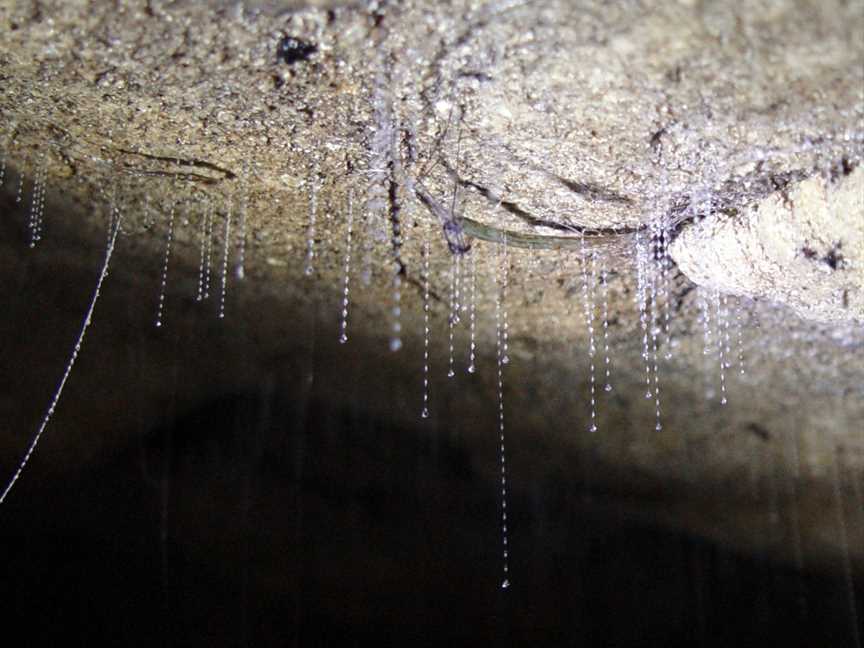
pixel 225 254
pixel 604 281
pixel 204 236
pixel 472 314
pixel 346 273
pixel 58 392
pixel 499 338
pixel 164 279
pixel 425 411
pixel 310 227
pixel 240 267
pixel 453 317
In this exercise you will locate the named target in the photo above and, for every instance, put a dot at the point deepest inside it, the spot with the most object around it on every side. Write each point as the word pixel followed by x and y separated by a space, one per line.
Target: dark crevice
pixel 594 192
pixel 524 215
pixel 395 225
pixel 180 162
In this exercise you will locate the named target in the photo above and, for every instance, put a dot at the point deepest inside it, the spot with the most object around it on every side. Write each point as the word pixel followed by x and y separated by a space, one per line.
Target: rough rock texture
pixel 803 248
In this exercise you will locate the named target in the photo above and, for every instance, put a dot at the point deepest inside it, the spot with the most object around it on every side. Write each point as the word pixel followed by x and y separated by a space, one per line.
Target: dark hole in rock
pixel 294 50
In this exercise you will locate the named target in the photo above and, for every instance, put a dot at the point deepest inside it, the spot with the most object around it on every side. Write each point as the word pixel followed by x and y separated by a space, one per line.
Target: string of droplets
pixel 473 314
pixel 205 241
pixel 499 338
pixel 739 331
pixel 149 216
pixel 707 344
pixel 19 194
pixel 310 227
pixel 240 268
pixel 454 313
pixel 226 242
pixel 113 215
pixel 722 337
pixel 208 259
pixel 424 413
pixel 164 278
pixel 396 312
pixel 604 282
pixel 655 355
pixel 346 273
pixel 665 292
pixel 589 274
pixel 2 167
pixel 79 342
pixel 37 203
pixel 642 305
pixel 505 285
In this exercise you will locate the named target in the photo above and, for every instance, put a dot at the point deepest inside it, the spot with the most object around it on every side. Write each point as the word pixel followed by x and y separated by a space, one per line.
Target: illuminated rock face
pixel 803 248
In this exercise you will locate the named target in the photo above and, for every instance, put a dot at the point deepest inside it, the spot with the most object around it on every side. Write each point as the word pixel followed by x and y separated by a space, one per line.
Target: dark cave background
pixel 201 488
